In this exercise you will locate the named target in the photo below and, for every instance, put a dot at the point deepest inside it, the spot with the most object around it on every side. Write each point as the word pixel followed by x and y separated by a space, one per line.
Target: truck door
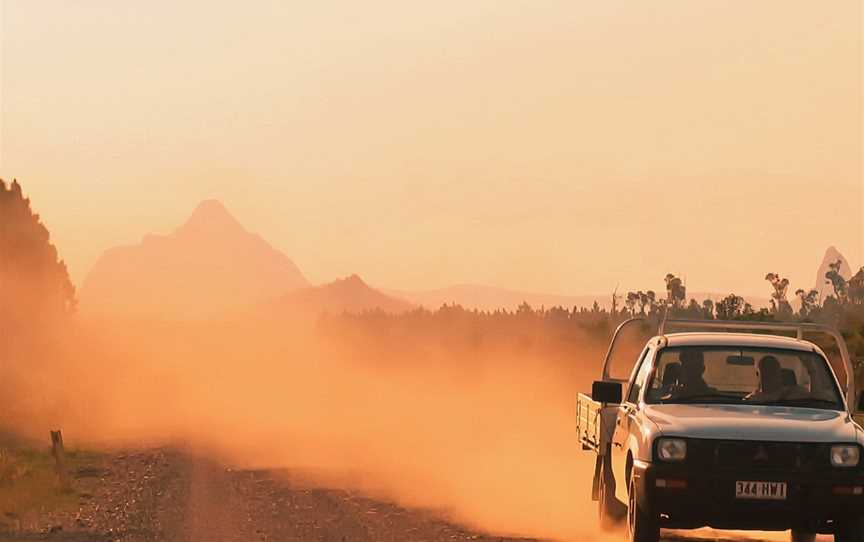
pixel 626 422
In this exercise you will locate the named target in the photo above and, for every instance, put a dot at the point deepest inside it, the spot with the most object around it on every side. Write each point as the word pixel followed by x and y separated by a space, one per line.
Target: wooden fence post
pixel 59 459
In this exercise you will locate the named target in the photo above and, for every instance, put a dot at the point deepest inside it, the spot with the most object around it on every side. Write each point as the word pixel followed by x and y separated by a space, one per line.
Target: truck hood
pixel 753 422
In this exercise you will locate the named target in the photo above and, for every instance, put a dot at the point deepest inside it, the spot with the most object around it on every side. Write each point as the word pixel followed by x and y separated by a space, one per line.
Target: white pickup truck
pixel 732 425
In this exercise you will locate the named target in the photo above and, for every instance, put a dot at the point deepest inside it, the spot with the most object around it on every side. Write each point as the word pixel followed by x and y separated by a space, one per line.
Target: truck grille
pixel 754 455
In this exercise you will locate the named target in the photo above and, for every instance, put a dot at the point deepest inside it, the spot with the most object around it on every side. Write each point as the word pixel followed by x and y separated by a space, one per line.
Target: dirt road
pixel 165 495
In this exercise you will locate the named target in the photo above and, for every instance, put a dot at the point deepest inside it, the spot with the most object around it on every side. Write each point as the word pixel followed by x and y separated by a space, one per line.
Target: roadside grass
pixel 29 484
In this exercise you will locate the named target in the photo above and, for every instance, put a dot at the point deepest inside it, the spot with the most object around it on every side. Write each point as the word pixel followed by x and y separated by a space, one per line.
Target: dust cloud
pixel 482 433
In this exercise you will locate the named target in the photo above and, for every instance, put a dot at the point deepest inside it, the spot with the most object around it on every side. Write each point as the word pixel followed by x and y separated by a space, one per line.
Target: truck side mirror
pixel 606 392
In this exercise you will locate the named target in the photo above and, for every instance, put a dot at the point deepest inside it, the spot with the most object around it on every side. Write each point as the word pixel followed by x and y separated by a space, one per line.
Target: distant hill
pixel 206 267
pixel 831 256
pixel 350 294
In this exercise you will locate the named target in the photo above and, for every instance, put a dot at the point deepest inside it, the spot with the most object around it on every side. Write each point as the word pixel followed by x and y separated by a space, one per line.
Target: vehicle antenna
pixel 662 329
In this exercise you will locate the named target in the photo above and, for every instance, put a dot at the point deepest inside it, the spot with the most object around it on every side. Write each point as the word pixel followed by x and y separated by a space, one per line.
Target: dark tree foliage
pixel 676 292
pixel 34 282
pixel 779 304
pixel 809 302
pixel 856 288
pixel 708 309
pixel 730 307
pixel 560 330
pixel 645 301
pixel 836 280
pixel 632 301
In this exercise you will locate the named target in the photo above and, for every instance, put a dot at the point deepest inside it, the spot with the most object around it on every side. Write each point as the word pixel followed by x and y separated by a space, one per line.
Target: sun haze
pixel 551 147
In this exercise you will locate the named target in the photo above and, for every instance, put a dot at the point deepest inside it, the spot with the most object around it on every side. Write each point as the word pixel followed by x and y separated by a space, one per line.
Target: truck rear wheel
pixel 641 526
pixel 610 510
pixel 851 530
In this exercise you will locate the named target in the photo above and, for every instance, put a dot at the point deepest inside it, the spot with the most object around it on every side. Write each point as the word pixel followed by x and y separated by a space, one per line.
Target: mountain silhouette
pixel 211 217
pixel 350 294
pixel 831 256
pixel 206 267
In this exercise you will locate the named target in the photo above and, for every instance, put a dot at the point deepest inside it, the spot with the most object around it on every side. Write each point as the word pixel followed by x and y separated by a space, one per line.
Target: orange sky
pixel 560 146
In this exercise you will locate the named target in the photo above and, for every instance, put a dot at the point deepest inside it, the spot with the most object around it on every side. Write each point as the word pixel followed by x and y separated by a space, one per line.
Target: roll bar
pixel 735 325
pixel 615 336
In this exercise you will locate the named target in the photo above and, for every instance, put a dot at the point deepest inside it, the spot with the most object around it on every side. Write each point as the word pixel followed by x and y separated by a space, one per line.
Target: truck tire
pixel 802 536
pixel 641 527
pixel 610 511
pixel 851 530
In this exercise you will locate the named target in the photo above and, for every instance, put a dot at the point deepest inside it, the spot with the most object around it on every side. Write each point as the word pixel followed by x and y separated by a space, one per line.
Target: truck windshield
pixel 761 376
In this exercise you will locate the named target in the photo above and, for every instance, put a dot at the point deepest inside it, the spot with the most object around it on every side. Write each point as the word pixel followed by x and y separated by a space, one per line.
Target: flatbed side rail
pixel 588 422
pixel 595 423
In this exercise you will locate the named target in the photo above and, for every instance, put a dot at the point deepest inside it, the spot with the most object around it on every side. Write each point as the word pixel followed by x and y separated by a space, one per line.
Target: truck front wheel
pixel 802 536
pixel 851 530
pixel 610 510
pixel 641 526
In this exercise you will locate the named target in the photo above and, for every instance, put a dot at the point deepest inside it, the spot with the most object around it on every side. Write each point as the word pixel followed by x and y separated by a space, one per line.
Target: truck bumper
pixel 693 499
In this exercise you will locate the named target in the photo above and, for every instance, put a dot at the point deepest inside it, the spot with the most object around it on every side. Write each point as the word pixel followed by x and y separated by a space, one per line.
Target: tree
pixel 643 301
pixel 34 282
pixel 676 292
pixel 615 299
pixel 651 297
pixel 836 280
pixel 779 304
pixel 631 301
pixel 525 309
pixel 856 288
pixel 730 307
pixel 809 302
pixel 708 309
pixel 694 310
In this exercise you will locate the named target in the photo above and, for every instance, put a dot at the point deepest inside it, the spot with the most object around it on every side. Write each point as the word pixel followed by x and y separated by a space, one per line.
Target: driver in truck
pixel 691 381
pixel 670 379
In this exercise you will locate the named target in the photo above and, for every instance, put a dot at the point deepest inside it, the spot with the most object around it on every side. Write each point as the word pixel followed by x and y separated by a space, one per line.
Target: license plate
pixel 769 491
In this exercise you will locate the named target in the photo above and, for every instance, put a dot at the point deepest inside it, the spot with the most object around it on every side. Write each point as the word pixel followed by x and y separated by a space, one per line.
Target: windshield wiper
pixel 703 398
pixel 815 402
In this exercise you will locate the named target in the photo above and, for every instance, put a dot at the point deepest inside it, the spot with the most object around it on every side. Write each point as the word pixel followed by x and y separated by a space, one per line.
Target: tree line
pixel 844 308
pixel 34 282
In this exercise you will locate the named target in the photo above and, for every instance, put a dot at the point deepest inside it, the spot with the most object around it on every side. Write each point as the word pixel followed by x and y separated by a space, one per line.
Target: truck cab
pixel 729 425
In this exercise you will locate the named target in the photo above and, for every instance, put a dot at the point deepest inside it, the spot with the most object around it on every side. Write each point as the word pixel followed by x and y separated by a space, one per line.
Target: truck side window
pixel 641 377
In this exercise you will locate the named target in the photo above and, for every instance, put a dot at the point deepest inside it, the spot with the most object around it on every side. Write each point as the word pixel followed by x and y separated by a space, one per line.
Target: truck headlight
pixel 845 455
pixel 672 449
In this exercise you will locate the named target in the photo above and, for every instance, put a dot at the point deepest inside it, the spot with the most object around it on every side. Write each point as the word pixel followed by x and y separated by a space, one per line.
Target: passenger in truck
pixel 775 382
pixel 770 376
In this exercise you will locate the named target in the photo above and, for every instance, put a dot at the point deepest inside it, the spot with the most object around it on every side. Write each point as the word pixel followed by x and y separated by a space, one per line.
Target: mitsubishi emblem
pixel 761 454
